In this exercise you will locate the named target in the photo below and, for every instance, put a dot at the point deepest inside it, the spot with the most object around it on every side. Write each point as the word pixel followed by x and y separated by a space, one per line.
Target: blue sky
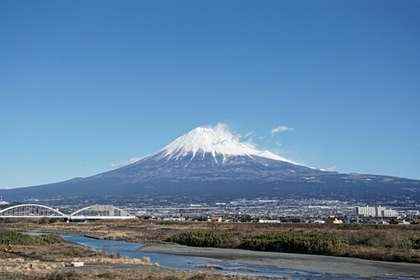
pixel 88 85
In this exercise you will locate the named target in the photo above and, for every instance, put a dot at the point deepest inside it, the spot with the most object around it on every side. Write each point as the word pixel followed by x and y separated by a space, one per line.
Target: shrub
pixel 204 238
pixel 415 242
pixel 50 239
pixel 61 275
pixel 15 238
pixel 294 242
pixel 18 238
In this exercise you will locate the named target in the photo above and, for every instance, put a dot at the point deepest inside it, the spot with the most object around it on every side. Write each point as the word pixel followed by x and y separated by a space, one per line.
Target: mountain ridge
pixel 211 163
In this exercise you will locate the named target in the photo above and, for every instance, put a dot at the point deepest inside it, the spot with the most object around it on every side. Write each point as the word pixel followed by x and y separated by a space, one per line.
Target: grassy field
pixel 46 257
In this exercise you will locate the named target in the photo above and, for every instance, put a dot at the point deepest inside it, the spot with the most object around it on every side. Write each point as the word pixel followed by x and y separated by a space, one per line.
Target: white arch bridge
pixel 94 212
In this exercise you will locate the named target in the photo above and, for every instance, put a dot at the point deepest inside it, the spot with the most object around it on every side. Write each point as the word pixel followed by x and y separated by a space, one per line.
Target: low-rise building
pixel 265 221
pixel 333 220
pixel 216 219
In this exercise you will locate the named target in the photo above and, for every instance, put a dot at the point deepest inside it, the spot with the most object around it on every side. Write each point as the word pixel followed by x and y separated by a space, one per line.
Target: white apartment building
pixel 389 213
pixel 376 212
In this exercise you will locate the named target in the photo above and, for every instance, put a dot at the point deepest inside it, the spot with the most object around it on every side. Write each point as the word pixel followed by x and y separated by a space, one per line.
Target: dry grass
pixel 377 242
pixel 46 262
pixel 166 275
pixel 66 253
pixel 15 266
pixel 40 270
pixel 52 261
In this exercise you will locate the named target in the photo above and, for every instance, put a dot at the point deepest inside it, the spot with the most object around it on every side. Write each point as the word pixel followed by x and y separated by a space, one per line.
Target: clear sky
pixel 88 85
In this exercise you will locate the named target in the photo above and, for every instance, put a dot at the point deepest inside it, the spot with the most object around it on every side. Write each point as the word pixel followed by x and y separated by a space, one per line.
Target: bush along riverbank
pixel 378 245
pixel 18 238
pixel 295 242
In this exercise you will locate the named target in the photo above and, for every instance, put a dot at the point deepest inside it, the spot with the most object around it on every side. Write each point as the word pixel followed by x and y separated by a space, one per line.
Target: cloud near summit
pixel 225 132
pixel 280 128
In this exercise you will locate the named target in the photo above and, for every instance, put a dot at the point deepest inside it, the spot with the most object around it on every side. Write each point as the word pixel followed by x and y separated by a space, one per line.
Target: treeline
pixel 18 238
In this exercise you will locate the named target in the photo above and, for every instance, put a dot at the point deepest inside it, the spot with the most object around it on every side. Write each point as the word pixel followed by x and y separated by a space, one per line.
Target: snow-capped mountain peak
pixel 217 141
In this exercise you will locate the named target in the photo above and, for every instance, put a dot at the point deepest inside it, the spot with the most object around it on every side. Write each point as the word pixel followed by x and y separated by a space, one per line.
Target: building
pixel 216 219
pixel 265 221
pixel 389 213
pixel 318 221
pixel 375 212
pixel 333 220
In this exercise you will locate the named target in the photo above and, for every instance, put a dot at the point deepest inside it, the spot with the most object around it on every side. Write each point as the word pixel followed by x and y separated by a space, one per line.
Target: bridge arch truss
pixel 31 211
pixel 100 212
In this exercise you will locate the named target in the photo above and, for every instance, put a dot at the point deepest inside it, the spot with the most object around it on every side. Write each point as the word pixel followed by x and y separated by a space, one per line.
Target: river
pixel 133 250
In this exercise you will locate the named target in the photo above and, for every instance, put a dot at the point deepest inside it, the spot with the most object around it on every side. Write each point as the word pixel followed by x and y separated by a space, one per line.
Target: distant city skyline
pixel 87 86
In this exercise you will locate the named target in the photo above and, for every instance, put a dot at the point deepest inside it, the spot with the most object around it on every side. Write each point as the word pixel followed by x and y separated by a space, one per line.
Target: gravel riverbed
pixel 314 263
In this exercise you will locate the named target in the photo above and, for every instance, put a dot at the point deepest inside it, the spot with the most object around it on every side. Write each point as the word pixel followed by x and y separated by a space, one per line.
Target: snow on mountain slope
pixel 217 141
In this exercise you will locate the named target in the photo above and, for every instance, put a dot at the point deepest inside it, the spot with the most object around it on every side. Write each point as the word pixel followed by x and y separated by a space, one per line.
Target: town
pixel 264 210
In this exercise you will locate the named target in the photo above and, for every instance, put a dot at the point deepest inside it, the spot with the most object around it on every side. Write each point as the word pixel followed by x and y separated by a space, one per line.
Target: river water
pixel 131 250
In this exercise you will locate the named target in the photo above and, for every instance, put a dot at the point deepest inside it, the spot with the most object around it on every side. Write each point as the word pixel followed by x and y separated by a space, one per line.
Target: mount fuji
pixel 211 163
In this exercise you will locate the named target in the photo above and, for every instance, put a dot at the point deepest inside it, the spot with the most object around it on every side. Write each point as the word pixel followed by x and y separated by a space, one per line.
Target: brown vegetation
pixel 375 242
pixel 46 258
pixel 399 243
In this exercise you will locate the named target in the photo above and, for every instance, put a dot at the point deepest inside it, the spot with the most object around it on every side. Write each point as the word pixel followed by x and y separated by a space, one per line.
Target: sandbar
pixel 313 263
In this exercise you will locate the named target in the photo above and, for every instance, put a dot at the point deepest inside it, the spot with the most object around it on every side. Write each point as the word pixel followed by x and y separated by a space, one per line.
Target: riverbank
pixel 39 257
pixel 315 263
pixel 374 242
pixel 393 243
pixel 53 262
